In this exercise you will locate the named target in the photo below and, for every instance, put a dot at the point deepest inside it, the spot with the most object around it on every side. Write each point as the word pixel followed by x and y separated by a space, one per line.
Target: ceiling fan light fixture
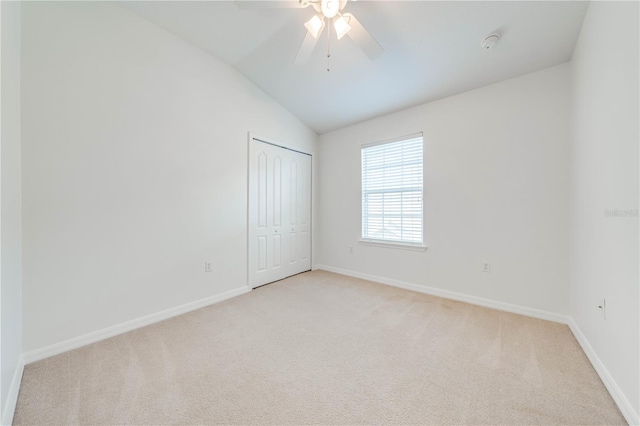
pixel 315 25
pixel 330 8
pixel 341 25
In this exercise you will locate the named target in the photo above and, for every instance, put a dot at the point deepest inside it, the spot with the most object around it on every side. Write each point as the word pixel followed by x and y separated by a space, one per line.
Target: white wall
pixel 10 211
pixel 134 174
pixel 605 255
pixel 496 189
pixel 134 169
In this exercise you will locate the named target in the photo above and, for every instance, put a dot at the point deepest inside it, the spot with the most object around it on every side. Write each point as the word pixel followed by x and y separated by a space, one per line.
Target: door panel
pixel 277 191
pixel 301 194
pixel 304 244
pixel 262 253
pixel 293 246
pixel 293 189
pixel 262 189
pixel 277 251
pixel 279 213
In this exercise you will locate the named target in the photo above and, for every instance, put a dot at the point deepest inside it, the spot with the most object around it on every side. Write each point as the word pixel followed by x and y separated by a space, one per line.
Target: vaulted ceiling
pixel 432 50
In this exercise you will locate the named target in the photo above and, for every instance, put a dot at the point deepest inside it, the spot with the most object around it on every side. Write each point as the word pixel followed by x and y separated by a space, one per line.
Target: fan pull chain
pixel 328 48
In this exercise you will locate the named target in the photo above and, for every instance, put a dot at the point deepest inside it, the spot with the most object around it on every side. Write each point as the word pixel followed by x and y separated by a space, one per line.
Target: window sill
pixel 388 244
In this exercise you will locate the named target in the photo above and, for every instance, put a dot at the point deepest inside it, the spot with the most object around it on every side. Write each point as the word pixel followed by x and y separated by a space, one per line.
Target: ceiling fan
pixel 326 10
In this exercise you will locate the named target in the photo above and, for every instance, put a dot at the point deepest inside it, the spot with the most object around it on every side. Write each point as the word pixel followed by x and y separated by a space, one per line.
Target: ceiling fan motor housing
pixel 330 8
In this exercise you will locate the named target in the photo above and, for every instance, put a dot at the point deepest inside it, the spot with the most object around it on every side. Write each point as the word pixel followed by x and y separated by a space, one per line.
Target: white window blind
pixel 392 191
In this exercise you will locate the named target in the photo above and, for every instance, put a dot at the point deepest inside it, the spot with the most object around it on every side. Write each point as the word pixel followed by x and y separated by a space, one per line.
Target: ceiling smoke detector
pixel 490 41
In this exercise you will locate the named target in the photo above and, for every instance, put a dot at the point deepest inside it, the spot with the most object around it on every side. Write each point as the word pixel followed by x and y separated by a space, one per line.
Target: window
pixel 392 193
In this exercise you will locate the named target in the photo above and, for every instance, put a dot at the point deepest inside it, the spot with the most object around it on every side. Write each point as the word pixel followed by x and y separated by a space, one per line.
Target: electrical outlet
pixel 208 267
pixel 602 305
pixel 351 249
pixel 486 267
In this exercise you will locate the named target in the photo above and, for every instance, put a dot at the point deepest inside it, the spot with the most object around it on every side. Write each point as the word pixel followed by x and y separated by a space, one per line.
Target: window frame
pixel 390 243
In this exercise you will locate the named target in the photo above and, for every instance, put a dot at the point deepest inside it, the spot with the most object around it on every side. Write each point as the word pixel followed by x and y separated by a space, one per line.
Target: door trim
pixel 252 136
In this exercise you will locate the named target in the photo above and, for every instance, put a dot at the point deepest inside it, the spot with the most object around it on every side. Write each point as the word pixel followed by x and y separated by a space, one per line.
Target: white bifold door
pixel 279 213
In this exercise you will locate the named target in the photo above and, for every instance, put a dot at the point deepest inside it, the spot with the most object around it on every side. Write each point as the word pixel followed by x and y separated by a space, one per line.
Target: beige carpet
pixel 321 348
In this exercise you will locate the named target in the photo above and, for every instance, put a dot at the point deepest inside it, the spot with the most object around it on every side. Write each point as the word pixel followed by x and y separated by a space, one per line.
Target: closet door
pixel 279 213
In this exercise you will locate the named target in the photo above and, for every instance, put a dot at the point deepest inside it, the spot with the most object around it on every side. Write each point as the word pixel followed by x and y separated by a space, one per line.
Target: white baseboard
pixel 12 396
pixel 86 339
pixel 616 393
pixel 474 300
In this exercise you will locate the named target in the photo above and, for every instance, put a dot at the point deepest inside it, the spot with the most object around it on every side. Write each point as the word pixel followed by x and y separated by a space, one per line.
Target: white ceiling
pixel 432 50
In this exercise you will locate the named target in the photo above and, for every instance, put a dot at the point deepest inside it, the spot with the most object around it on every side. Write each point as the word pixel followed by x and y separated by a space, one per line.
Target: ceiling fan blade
pixel 266 4
pixel 363 39
pixel 306 49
